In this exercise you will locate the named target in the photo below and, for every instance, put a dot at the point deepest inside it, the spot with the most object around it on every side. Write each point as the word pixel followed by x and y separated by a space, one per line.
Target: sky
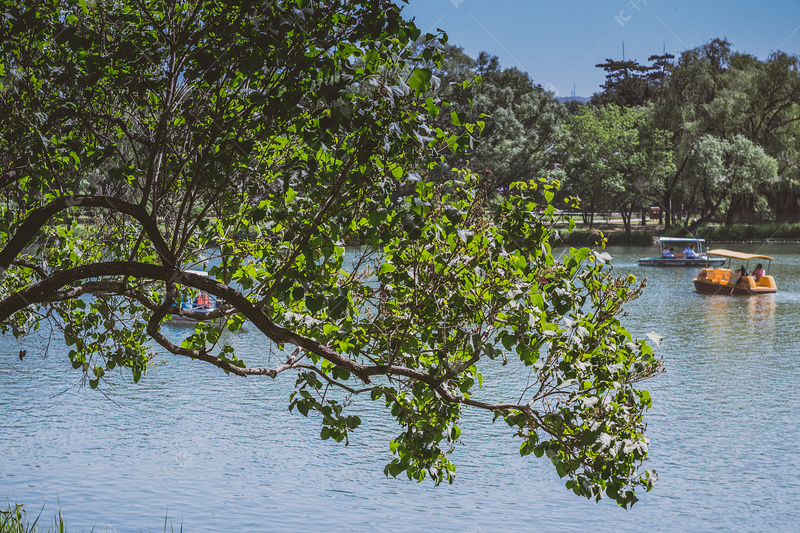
pixel 558 43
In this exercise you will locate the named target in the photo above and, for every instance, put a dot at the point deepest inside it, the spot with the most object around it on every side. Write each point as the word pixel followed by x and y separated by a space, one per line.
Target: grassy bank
pixel 750 232
pixel 615 234
pixel 613 237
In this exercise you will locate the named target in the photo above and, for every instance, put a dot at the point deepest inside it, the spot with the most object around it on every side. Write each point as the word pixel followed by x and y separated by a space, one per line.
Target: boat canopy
pixel 197 272
pixel 738 255
pixel 679 240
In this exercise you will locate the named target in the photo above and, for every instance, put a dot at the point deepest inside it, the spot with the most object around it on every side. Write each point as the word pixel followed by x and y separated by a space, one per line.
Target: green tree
pixel 714 91
pixel 616 160
pixel 771 118
pixel 730 176
pixel 272 135
pixel 522 123
pixel 630 84
pixel 591 168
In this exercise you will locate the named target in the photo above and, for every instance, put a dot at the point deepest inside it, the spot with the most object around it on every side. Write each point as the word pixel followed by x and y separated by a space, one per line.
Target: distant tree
pixel 658 72
pixel 630 84
pixel 573 107
pixel 729 176
pixel 616 160
pixel 522 122
pixel 592 171
pixel 626 84
pixel 713 91
pixel 771 118
pixel 487 64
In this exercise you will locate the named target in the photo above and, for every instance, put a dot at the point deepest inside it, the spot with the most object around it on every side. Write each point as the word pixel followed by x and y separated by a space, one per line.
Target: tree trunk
pixel 670 186
pixel 690 228
pixel 626 213
pixel 730 215
pixel 665 210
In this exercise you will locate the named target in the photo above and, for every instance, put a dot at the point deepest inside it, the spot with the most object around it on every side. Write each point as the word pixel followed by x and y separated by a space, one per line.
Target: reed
pixel 14 518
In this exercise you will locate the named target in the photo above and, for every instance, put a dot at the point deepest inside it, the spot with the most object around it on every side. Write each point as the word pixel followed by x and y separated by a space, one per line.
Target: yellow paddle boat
pixel 724 280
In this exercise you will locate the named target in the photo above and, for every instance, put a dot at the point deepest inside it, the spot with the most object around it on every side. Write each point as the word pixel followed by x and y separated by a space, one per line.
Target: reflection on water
pixel 219 453
pixel 727 317
pixel 761 310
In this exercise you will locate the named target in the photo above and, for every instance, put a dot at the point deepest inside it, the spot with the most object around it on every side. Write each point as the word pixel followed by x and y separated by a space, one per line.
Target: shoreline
pixel 616 236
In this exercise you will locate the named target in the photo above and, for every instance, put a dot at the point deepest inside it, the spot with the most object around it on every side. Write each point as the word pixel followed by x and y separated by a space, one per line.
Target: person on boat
pixel 758 273
pixel 203 302
pixel 742 273
pixel 688 252
pixel 668 253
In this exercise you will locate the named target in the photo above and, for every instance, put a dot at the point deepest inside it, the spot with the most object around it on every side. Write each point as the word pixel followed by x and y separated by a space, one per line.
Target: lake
pixel 213 452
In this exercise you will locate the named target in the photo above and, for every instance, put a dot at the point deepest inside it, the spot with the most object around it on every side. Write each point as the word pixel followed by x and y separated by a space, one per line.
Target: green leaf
pixel 420 79
pixel 258 214
pixel 314 303
pixel 302 408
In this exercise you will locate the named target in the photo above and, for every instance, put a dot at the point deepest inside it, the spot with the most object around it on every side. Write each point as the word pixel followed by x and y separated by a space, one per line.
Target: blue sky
pixel 559 42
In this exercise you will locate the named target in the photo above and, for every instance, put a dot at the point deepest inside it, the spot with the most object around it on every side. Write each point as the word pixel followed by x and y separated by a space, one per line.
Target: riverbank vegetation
pixel 14 518
pixel 765 232
pixel 615 235
pixel 710 136
pixel 271 134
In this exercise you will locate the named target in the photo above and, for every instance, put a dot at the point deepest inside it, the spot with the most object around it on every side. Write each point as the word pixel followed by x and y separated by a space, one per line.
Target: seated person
pixel 742 273
pixel 202 301
pixel 758 273
pixel 668 253
pixel 689 252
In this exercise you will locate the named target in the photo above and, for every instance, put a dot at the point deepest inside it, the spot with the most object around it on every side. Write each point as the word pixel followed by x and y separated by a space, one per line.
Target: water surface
pixel 219 453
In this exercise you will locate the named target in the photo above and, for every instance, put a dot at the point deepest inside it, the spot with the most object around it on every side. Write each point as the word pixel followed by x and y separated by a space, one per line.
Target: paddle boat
pixel 202 303
pixel 725 280
pixel 670 258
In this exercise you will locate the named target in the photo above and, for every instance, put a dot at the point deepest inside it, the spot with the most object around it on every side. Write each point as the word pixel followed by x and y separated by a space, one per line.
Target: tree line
pixel 705 136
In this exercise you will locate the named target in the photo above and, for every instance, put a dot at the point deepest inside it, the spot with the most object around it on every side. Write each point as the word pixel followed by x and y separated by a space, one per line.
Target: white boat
pixel 669 258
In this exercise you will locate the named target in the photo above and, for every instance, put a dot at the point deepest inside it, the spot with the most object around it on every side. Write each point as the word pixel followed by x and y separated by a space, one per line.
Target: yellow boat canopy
pixel 738 255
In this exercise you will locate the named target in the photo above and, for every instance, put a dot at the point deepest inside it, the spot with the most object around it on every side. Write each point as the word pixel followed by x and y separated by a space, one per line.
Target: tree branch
pixel 37 218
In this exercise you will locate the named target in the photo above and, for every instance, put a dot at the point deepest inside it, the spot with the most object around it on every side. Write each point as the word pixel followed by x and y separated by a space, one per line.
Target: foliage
pixel 266 137
pixel 727 175
pixel 16 520
pixel 629 84
pixel 579 237
pixel 743 232
pixel 522 122
pixel 714 95
pixel 616 160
